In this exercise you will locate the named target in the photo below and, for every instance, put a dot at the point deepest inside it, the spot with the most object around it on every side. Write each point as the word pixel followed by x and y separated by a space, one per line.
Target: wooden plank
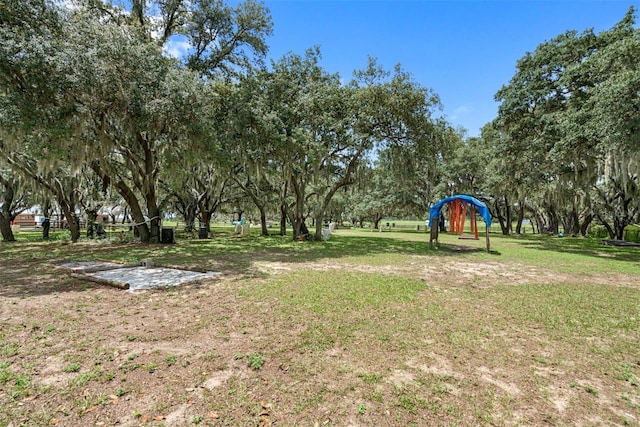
pixel 115 284
pixel 468 237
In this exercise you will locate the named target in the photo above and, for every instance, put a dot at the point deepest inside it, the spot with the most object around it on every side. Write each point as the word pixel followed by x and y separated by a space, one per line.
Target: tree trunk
pixel 6 214
pixel 263 222
pixel 46 227
pixel 575 225
pixel 298 218
pixel 136 212
pixel 283 219
pixel 584 225
pixel 503 219
pixel 46 224
pixel 66 197
pixel 92 217
pixel 205 218
pixel 189 214
pixel 319 217
pixel 6 217
pixel 260 204
pixel 503 225
pixel 507 210
pixel 74 228
pixel 610 230
pixel 5 228
pixel 207 206
pixel 520 218
pixel 141 229
pixel 148 189
pixel 73 222
pixel 618 227
pixel 154 226
pixel 547 220
pixel 131 200
pixel 542 223
pixel 297 226
pixel 319 222
pixel 554 223
pixel 571 223
pixel 155 217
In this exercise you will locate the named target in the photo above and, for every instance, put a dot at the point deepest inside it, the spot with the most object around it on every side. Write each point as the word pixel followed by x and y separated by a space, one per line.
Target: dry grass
pixel 382 331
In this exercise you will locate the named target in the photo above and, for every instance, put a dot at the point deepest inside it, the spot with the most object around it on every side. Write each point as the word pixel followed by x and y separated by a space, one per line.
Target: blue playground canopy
pixel 483 210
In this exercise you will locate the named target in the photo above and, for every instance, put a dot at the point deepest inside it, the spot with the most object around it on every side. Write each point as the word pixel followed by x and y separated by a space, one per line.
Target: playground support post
pixel 434 232
pixel 462 215
pixel 488 244
pixel 474 222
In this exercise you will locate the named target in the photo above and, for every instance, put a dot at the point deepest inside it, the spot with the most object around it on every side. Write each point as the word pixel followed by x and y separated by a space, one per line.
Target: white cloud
pixel 176 48
pixel 66 4
pixel 459 112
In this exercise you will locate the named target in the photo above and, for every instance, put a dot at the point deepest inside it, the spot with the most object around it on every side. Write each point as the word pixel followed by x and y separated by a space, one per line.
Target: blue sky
pixel 464 50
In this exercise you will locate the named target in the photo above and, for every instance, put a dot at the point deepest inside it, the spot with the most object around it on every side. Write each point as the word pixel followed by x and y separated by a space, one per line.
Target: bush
pixel 598 231
pixel 632 234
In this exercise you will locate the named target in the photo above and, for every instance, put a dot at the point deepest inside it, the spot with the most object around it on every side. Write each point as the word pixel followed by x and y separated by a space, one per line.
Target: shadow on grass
pixel 27 278
pixel 26 267
pixel 578 245
pixel 450 249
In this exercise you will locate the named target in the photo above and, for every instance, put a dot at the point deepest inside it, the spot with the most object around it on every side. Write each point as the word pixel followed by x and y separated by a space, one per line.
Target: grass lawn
pixel 368 328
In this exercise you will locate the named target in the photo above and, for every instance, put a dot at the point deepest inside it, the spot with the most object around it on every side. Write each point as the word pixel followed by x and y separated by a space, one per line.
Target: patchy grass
pixel 367 328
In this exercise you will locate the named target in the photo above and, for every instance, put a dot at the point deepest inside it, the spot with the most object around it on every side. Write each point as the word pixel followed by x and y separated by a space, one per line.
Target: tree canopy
pixel 95 112
pixel 568 118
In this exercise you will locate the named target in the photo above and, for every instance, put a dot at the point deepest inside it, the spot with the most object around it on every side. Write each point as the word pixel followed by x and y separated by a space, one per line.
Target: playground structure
pixel 457 209
pixel 457 214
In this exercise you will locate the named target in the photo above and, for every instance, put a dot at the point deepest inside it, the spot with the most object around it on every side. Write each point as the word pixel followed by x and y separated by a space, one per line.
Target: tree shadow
pixel 592 247
pixel 22 279
pixel 27 268
pixel 451 249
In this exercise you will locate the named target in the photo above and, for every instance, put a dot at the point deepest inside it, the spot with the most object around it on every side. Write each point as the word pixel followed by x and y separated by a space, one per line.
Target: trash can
pixel 167 235
pixel 203 233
